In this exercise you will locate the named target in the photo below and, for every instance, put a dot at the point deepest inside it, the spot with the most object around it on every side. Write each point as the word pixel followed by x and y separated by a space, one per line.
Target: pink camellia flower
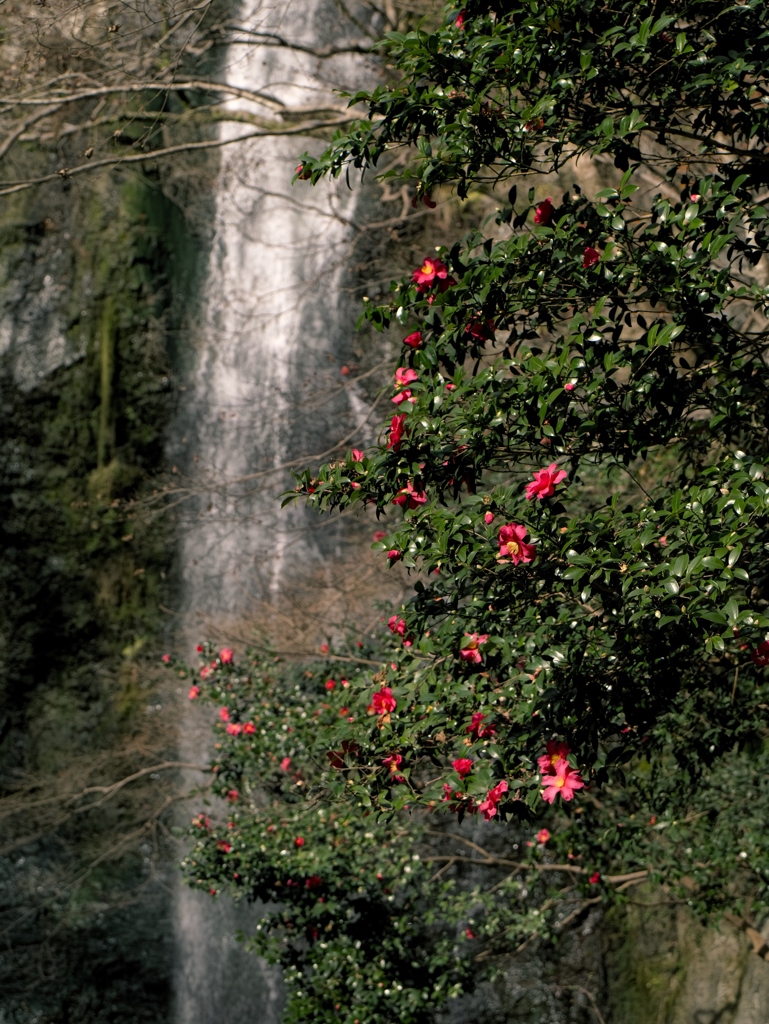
pixel 194 692
pixel 512 546
pixel 357 455
pixel 470 652
pixel 378 535
pixel 451 387
pixel 590 258
pixel 480 330
pixel 232 795
pixel 556 752
pixel 488 518
pixel 205 672
pixel 542 836
pixel 224 714
pixel 595 878
pixel 166 658
pixel 477 729
pixel 569 386
pixel 299 841
pixel 544 482
pixel 304 174
pixel 249 729
pixel 330 684
pixel 224 846
pixel 462 766
pixel 409 497
pixel 397 625
pixel 565 781
pixel 469 933
pixel 460 24
pixel 404 376
pixel 394 556
pixel 432 272
pixel 403 396
pixel 414 340
pixel 761 654
pixel 543 214
pixel 393 762
pixel 226 656
pixel 233 729
pixel 285 764
pixel 383 702
pixel 324 648
pixel 488 807
pixel 395 434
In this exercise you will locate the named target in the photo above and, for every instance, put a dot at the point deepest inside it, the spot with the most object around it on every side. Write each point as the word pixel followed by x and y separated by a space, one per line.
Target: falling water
pixel 264 388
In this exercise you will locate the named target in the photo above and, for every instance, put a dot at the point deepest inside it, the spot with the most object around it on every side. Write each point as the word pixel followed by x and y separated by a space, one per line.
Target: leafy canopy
pixel 617 335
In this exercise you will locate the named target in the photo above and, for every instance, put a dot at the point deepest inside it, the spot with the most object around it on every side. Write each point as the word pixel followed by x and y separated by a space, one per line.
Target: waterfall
pixel 263 388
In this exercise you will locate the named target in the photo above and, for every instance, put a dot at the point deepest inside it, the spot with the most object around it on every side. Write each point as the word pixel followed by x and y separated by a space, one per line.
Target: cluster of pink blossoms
pixel 557 774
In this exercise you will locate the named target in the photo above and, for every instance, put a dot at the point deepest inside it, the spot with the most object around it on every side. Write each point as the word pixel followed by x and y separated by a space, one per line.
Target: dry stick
pixel 67 172
pixel 9 140
pixel 589 994
pixel 759 943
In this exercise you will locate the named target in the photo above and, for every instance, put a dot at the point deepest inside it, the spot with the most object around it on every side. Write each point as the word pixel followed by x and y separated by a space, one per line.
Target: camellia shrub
pixel 574 472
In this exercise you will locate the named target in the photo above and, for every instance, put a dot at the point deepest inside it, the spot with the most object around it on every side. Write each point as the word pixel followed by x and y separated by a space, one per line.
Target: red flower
pixel 590 257
pixel 488 518
pixel 595 878
pixel 470 651
pixel 394 556
pixel 224 714
pixel 393 762
pixel 543 214
pixel 302 173
pixel 233 729
pixel 199 648
pixel 481 732
pixel 226 656
pixel 166 658
pixel 194 692
pixel 224 846
pixel 469 934
pixel 324 648
pixel 285 763
pixel 378 535
pixel 414 340
pixel 556 752
pixel 460 23
pixel 410 497
pixel 405 376
pixel 299 841
pixel 481 331
pixel 512 546
pixel 488 807
pixel 357 455
pixel 569 386
pixel 383 701
pixel 462 766
pixel 249 728
pixel 205 672
pixel 313 882
pixel 403 396
pixel 451 387
pixel 395 434
pixel 330 684
pixel 761 654
pixel 432 272
pixel 565 781
pixel 542 836
pixel 397 625
pixel 232 795
pixel 544 482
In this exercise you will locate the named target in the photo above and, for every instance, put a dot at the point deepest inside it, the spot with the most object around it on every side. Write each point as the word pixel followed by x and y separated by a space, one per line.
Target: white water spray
pixel 265 389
